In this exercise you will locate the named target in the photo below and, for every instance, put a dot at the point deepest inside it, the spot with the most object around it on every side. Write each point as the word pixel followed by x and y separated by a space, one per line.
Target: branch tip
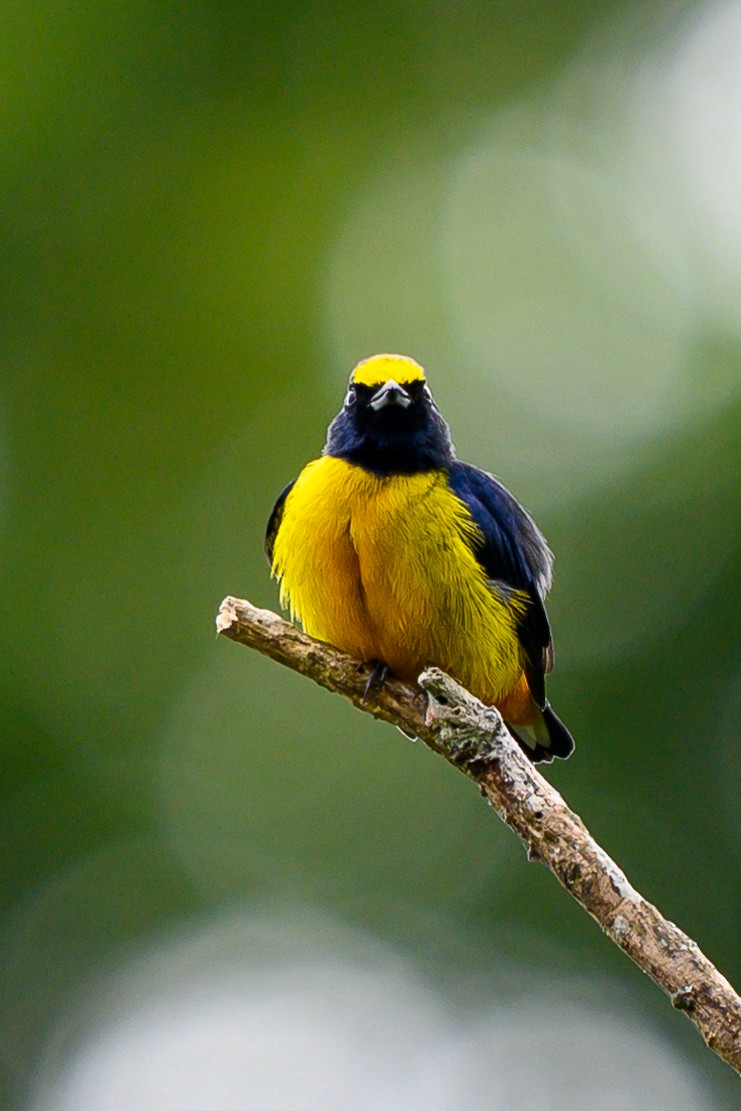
pixel 474 738
pixel 226 618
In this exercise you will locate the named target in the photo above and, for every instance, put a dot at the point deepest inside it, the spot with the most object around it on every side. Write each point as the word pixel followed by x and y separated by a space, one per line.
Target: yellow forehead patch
pixel 379 368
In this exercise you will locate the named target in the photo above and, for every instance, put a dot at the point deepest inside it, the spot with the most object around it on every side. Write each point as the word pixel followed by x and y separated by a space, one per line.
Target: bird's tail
pixel 545 738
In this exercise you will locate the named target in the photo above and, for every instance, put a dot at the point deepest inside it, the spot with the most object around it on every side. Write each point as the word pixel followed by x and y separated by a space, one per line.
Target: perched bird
pixel 395 551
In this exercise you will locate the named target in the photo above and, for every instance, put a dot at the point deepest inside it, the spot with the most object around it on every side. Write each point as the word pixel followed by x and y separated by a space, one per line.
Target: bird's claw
pixel 379 671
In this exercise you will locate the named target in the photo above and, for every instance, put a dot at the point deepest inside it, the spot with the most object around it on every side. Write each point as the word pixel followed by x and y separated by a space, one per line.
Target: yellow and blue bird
pixel 392 549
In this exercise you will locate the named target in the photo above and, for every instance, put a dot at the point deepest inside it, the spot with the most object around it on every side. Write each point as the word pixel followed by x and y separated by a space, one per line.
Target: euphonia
pixel 393 550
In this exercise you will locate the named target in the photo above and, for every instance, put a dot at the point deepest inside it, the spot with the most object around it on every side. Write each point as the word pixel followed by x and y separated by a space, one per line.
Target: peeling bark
pixel 474 738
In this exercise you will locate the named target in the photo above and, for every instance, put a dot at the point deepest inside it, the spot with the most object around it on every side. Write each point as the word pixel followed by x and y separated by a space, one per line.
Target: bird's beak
pixel 391 393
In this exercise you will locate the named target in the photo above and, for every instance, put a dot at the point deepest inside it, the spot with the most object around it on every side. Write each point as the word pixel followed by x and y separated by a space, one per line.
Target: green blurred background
pixel 211 211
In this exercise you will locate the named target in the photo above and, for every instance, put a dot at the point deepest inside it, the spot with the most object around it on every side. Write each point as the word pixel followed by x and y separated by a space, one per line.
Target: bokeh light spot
pixel 263 1012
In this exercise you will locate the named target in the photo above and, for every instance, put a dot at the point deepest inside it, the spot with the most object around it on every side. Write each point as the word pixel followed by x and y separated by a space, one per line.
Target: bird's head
pixel 389 422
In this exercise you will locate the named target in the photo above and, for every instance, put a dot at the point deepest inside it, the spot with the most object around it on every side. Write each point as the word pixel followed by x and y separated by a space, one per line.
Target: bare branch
pixel 473 738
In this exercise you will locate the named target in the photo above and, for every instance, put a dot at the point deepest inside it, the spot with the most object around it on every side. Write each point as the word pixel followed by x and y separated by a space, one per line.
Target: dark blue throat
pixel 400 443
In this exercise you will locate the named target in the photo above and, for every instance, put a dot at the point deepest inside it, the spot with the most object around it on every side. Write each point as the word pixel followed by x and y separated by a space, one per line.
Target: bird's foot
pixel 409 736
pixel 379 671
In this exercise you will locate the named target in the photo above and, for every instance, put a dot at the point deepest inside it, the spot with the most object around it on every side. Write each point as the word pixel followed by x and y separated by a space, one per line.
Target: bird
pixel 395 551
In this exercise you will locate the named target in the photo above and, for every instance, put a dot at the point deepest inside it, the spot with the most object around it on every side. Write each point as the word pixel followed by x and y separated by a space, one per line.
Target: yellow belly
pixel 383 568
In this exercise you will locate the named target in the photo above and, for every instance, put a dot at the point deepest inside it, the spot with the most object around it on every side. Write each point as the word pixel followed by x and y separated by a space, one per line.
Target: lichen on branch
pixel 474 739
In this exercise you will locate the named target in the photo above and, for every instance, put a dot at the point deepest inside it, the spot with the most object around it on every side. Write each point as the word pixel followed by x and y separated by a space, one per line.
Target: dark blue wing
pixel 513 553
pixel 274 521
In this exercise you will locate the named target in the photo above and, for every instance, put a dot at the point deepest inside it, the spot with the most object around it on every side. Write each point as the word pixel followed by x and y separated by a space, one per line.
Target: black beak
pixel 391 393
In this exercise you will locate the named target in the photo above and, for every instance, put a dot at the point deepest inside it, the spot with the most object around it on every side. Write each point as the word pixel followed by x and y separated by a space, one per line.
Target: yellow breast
pixel 384 568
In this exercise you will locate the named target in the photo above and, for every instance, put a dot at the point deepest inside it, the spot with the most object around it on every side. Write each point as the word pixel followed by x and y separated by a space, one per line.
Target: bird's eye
pixel 351 397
